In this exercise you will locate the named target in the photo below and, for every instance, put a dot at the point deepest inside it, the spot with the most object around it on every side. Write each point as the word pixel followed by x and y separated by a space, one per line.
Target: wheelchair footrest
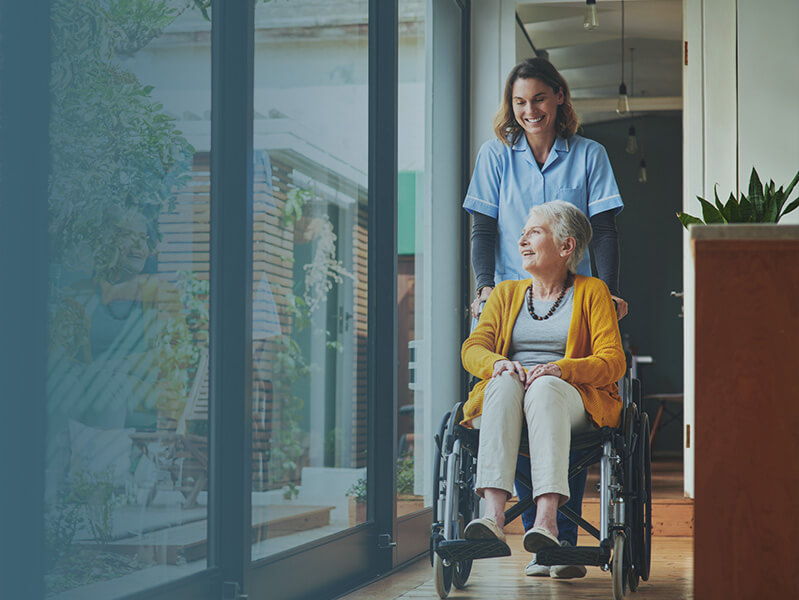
pixel 569 555
pixel 460 550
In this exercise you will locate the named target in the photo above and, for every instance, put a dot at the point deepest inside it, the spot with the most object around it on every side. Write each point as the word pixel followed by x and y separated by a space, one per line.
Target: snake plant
pixel 763 205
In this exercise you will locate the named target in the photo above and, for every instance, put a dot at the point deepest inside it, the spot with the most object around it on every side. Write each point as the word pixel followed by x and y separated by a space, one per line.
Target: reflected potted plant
pixel 357 502
pixel 407 501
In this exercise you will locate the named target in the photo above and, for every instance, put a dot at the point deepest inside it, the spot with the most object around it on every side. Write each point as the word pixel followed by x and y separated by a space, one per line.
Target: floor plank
pixel 671 579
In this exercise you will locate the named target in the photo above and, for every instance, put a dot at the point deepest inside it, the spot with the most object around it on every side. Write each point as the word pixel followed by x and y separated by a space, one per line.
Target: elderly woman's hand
pixel 514 367
pixel 485 292
pixel 539 370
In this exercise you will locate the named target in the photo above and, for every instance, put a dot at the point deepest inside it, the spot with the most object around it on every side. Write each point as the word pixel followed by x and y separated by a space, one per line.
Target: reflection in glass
pixel 127 451
pixel 310 272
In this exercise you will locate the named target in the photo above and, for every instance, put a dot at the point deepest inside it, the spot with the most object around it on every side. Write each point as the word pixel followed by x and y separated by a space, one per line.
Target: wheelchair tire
pixel 617 566
pixel 442 575
pixel 646 464
pixel 633 490
pixel 462 569
pixel 442 430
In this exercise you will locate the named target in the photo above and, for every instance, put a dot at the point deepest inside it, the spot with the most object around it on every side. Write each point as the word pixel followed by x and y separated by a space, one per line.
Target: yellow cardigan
pixel 594 359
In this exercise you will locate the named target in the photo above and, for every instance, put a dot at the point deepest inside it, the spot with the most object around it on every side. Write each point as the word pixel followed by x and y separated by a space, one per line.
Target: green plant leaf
pixel 771 210
pixel 687 220
pixel 791 185
pixel 756 196
pixel 780 198
pixel 732 210
pixel 791 207
pixel 719 205
pixel 710 213
pixel 747 213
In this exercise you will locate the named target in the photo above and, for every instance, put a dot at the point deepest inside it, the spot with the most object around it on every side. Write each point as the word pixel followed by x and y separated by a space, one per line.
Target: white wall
pixel 493 55
pixel 768 92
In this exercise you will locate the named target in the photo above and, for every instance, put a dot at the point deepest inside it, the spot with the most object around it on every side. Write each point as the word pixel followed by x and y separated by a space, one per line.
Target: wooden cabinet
pixel 746 412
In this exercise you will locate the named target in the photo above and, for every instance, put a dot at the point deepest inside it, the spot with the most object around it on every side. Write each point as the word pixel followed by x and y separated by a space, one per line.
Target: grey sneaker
pixel 535 570
pixel 567 571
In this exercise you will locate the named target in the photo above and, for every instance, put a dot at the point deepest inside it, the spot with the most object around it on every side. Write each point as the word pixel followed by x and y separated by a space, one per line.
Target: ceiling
pixel 591 60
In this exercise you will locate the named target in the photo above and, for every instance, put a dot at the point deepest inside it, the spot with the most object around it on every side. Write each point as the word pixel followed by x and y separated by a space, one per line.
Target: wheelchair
pixel 625 489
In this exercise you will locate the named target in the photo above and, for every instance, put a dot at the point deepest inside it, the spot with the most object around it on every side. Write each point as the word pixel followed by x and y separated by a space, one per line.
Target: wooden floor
pixel 671 579
pixel 503 578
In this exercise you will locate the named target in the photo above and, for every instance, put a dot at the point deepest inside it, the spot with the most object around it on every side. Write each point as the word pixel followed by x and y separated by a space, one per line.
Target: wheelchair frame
pixel 625 488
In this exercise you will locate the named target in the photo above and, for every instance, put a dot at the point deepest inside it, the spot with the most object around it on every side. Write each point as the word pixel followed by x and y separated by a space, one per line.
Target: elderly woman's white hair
pixel 566 220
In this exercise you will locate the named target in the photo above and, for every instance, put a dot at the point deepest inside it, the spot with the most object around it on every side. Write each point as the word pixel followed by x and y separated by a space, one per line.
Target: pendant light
pixel 623 105
pixel 632 139
pixel 591 19
pixel 642 171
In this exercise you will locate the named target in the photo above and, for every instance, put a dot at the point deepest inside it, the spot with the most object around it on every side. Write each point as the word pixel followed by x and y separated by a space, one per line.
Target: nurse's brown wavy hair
pixel 505 126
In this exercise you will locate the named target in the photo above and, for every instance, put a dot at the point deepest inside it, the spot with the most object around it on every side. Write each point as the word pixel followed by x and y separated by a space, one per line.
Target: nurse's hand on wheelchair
pixel 480 299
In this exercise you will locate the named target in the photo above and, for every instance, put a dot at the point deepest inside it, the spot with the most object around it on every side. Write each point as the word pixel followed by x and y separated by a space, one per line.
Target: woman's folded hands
pixel 527 377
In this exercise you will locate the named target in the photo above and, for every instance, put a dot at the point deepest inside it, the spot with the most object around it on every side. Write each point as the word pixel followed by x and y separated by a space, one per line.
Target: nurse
pixel 537 157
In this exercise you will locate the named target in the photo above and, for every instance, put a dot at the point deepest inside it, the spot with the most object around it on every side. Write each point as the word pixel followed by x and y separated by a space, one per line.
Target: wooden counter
pixel 746 412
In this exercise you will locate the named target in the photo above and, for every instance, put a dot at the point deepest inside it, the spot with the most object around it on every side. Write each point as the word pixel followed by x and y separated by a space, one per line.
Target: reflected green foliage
pixel 405 479
pixel 291 365
pixel 112 143
pixel 87 501
pixel 405 475
pixel 765 204
pixel 286 447
pixel 94 492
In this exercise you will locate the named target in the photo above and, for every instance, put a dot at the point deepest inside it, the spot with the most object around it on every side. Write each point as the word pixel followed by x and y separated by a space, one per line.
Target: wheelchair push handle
pixel 479 314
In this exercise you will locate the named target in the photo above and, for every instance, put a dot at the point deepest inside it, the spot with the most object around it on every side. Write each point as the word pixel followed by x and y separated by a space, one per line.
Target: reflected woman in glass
pixel 112 330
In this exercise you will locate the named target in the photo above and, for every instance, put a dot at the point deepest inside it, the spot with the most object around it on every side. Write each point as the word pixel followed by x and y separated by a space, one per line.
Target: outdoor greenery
pixel 765 204
pixel 113 144
pixel 405 478
pixel 291 365
pixel 86 502
pixel 115 151
pixel 180 343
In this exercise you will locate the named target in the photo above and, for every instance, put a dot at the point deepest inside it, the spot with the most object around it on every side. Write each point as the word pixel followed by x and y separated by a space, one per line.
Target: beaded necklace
pixel 554 307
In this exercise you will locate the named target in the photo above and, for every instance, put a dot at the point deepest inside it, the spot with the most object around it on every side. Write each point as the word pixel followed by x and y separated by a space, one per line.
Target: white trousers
pixel 552 409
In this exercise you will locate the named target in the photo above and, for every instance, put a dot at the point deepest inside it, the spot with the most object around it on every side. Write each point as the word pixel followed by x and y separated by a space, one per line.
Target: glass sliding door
pixel 413 433
pixel 310 234
pixel 433 92
pixel 127 453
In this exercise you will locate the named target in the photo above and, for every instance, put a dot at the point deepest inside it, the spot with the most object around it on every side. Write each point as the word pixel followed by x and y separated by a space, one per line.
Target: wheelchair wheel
pixel 646 469
pixel 468 510
pixel 633 491
pixel 617 566
pixel 442 575
pixel 442 430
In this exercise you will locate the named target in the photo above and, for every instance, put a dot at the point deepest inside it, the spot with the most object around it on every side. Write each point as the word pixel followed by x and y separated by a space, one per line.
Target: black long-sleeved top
pixel 604 245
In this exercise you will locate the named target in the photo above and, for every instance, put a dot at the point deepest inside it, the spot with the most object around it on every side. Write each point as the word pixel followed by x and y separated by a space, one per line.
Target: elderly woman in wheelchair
pixel 548 353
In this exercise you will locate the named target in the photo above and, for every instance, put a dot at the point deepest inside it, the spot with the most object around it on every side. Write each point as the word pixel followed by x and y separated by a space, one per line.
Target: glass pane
pixel 412 431
pixel 127 414
pixel 310 272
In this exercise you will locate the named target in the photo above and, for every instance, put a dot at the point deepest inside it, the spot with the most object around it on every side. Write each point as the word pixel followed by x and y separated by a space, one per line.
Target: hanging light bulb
pixel 632 141
pixel 642 171
pixel 623 105
pixel 591 19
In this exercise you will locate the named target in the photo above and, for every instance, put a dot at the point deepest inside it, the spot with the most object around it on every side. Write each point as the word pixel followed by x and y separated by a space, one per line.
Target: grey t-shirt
pixel 538 342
